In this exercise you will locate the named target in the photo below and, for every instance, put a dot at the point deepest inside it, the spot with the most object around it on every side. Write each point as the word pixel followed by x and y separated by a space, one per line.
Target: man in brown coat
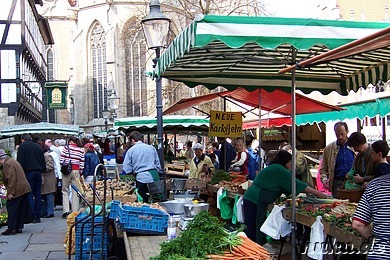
pixel 18 188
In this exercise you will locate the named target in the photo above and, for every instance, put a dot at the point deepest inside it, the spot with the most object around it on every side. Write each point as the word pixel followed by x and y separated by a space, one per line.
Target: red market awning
pixel 278 101
pixel 267 123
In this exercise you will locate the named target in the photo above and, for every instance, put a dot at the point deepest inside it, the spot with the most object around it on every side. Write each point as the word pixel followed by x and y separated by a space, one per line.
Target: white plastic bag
pixel 275 225
pixel 316 245
pixel 219 194
pixel 240 209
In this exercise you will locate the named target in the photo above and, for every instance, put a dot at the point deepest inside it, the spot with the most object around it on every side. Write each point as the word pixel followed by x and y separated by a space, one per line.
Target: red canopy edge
pixel 277 101
pixel 267 123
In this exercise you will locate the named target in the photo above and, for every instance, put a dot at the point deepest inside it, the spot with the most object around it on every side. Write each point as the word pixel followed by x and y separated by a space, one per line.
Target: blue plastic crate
pixel 85 256
pixel 85 225
pixel 143 220
pixel 84 243
pixel 115 210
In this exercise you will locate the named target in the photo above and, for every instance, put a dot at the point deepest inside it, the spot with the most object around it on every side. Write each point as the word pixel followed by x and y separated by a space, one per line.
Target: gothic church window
pixel 135 53
pixel 99 70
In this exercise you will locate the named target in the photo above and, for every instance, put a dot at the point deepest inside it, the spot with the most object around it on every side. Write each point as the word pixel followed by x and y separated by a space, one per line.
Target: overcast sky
pixel 293 8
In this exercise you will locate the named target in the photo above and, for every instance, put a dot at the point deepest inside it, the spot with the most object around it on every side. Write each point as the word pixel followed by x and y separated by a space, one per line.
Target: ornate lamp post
pixel 106 115
pixel 113 100
pixel 155 27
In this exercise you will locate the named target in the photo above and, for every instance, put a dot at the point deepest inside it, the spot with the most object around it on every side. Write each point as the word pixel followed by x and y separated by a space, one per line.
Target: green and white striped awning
pixel 248 52
pixel 40 128
pixel 171 124
pixel 368 108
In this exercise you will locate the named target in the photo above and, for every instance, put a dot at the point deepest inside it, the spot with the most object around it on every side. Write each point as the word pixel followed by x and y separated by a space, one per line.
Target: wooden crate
pixel 347 237
pixel 175 169
pixel 305 219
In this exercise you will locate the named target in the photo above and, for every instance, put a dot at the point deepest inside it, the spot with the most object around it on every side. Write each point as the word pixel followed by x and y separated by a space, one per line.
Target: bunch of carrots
pixel 246 250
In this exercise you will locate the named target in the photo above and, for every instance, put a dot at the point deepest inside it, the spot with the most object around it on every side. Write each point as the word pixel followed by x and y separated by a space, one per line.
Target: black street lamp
pixel 106 115
pixel 155 27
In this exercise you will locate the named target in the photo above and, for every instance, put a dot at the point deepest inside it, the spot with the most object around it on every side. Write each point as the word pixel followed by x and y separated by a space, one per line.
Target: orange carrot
pixel 254 245
pixel 222 257
pixel 236 253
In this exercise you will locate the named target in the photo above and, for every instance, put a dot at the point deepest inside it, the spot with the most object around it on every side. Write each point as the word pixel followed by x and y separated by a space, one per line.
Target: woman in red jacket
pixel 242 158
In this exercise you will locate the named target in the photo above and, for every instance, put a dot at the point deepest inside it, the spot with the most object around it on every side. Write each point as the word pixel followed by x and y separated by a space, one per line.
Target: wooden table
pixel 141 247
pixel 329 229
pixel 212 188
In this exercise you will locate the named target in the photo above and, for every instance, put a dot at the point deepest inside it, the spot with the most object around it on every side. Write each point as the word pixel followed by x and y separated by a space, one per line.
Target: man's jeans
pixel 34 178
pixel 48 204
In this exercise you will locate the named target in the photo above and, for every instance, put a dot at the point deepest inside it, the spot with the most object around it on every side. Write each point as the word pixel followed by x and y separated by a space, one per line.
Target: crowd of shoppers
pixel 33 178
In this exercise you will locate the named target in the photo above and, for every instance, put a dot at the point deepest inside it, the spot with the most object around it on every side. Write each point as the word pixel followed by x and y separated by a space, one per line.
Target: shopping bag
pixel 275 225
pixel 234 217
pixel 66 168
pixel 139 197
pixel 226 205
pixel 350 184
pixel 240 210
pixel 80 185
pixel 316 245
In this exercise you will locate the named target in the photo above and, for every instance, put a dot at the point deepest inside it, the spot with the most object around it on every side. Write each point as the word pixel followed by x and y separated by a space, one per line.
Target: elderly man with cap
pixel 18 189
pixel 201 164
pixel 49 144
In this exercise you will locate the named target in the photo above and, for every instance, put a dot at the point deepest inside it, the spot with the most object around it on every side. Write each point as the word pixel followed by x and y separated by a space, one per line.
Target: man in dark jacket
pixel 227 154
pixel 31 158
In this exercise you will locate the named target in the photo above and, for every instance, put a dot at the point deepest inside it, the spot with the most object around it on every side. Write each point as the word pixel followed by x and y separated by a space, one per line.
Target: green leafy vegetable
pixel 220 175
pixel 204 235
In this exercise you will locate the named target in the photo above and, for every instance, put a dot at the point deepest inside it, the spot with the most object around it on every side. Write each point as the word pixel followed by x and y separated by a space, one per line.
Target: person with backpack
pixel 91 160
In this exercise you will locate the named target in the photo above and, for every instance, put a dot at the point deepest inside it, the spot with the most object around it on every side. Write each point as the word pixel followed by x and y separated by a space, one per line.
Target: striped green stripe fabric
pixel 39 128
pixel 171 124
pixel 248 52
pixel 379 106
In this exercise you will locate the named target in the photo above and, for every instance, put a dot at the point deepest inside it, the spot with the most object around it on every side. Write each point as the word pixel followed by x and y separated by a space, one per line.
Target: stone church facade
pixel 100 49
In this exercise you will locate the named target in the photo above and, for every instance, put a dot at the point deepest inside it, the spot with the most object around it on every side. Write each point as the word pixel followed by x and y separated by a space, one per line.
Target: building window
pixel 137 93
pixel 50 77
pixel 99 70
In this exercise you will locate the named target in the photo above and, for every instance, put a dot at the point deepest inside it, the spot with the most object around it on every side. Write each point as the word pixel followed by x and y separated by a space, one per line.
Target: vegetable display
pixel 339 213
pixel 205 237
pixel 220 175
pixel 247 249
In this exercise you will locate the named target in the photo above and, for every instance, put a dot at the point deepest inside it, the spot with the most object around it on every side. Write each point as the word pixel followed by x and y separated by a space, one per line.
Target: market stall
pixel 173 124
pixel 269 102
pixel 39 128
pixel 336 219
pixel 212 52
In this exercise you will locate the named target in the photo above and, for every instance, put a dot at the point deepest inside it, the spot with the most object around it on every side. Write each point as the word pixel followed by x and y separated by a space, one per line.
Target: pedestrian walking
pixel 18 189
pixel 73 154
pixel 30 156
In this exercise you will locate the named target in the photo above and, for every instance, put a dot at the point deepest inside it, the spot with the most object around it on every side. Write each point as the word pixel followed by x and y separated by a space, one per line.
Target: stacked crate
pixel 141 220
pixel 83 238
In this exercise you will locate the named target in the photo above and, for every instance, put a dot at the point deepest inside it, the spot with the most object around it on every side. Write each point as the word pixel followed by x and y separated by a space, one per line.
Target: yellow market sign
pixel 225 124
pixel 56 93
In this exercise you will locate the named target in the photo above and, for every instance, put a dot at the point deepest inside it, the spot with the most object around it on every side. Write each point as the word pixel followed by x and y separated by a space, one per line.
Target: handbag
pixel 66 167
